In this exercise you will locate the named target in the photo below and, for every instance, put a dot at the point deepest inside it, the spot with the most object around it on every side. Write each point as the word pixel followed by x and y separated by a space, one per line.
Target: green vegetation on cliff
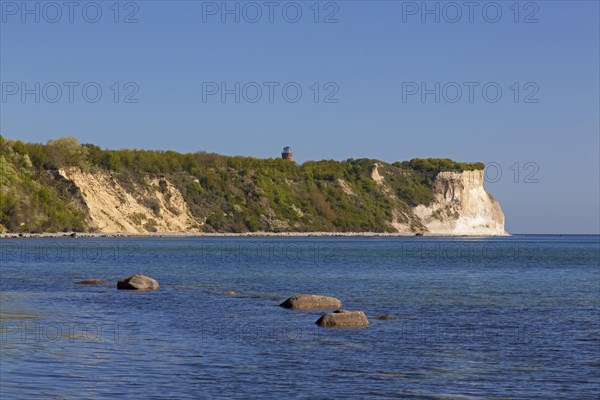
pixel 228 194
pixel 30 199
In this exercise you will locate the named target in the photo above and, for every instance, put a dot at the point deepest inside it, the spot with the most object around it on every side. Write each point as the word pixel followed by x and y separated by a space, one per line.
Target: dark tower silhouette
pixel 287 153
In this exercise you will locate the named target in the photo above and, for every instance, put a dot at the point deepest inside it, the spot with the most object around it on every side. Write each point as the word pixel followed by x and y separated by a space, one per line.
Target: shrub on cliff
pixel 439 164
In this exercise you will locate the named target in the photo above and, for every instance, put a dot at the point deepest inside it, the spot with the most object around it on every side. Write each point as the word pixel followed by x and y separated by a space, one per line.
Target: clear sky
pixel 367 72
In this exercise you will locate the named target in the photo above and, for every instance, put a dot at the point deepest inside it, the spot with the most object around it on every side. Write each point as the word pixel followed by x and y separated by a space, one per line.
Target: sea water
pixel 513 317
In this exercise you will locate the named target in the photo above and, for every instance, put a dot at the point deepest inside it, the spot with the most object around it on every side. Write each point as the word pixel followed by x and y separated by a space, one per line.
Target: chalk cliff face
pixel 156 206
pixel 462 206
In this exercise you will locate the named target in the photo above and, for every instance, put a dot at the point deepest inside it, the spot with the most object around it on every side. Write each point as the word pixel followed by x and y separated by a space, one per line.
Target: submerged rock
pixel 311 302
pixel 344 319
pixel 138 282
pixel 91 282
pixel 385 318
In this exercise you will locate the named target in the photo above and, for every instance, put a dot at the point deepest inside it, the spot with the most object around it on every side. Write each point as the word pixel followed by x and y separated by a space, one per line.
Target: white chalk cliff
pixel 461 206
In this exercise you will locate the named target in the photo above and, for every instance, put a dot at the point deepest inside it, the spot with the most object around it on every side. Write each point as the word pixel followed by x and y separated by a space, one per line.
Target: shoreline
pixel 97 235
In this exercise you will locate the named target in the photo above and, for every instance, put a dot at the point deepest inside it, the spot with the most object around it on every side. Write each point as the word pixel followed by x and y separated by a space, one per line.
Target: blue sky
pixel 366 66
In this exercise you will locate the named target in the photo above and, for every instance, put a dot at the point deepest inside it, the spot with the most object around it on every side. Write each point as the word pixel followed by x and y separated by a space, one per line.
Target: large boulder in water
pixel 344 319
pixel 311 302
pixel 138 282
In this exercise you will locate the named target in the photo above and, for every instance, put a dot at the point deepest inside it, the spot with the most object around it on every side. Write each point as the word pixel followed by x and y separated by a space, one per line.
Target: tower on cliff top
pixel 287 153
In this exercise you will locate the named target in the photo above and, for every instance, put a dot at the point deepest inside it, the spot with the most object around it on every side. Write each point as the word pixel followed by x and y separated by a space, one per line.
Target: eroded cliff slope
pixel 154 206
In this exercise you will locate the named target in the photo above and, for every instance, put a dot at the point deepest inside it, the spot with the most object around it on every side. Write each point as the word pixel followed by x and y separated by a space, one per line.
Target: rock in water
pixel 138 282
pixel 385 318
pixel 91 282
pixel 311 302
pixel 344 319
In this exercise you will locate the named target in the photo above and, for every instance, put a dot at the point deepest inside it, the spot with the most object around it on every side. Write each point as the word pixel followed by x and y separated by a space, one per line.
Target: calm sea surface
pixel 515 317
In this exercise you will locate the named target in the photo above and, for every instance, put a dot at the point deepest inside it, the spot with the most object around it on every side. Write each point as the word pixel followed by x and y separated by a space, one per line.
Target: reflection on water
pixel 12 309
pixel 475 318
